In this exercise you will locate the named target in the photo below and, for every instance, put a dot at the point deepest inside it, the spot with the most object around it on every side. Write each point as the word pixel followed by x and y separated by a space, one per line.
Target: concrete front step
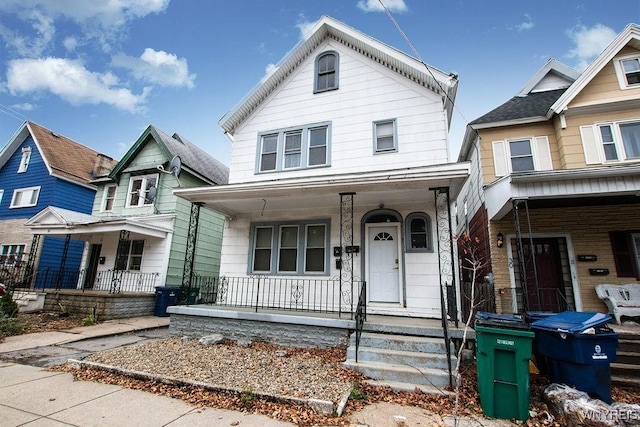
pixel 410 387
pixel 402 342
pixel 626 370
pixel 401 373
pixel 624 381
pixel 400 357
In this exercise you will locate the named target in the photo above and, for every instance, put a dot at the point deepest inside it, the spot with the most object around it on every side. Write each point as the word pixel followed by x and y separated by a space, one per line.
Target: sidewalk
pixel 110 327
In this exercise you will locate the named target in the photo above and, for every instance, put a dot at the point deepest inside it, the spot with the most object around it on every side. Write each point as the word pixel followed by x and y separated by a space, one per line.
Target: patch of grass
pixel 356 393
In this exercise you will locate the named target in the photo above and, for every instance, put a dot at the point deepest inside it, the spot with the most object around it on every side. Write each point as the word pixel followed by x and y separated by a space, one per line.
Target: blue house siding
pixel 49 265
pixel 53 192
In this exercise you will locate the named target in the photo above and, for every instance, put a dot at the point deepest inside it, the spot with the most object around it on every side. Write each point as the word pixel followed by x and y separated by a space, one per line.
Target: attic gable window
pixel 628 71
pixel 24 161
pixel 326 72
pixel 139 187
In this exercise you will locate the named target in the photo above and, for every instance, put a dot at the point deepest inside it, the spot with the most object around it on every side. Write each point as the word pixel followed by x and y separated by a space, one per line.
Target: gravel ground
pixel 259 368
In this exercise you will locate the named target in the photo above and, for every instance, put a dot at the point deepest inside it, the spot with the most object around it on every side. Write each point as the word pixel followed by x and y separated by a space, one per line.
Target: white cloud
pixel 268 70
pixel 25 106
pixel 305 28
pixel 71 81
pixel 71 43
pixel 98 19
pixel 527 25
pixel 158 67
pixel 589 42
pixel 374 6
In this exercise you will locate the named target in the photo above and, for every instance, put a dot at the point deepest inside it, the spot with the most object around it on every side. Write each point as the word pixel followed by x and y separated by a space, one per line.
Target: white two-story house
pixel 339 177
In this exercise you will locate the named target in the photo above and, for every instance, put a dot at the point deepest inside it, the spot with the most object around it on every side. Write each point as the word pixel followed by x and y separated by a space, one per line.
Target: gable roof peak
pixel 565 76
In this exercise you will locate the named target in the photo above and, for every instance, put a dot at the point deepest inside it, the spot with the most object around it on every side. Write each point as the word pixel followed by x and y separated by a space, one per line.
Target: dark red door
pixel 547 294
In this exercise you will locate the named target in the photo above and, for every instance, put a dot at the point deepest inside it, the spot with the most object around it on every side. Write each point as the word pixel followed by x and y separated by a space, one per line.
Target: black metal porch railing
pixel 549 299
pixel 113 281
pixel 274 293
pixel 361 314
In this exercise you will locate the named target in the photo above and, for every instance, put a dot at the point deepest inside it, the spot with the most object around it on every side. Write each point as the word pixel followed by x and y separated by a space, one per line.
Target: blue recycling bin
pixel 579 348
pixel 165 296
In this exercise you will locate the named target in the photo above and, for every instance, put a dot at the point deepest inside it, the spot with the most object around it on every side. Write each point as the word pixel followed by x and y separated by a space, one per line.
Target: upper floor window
pixel 628 71
pixel 130 255
pixel 418 233
pixel 139 187
pixel 297 247
pixel 10 254
pixel 384 136
pixel 620 141
pixel 108 197
pixel 296 148
pixel 521 155
pixel 25 197
pixel 326 72
pixel 24 161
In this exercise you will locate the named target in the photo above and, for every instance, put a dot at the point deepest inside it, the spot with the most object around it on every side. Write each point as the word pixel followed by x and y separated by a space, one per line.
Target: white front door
pixel 383 263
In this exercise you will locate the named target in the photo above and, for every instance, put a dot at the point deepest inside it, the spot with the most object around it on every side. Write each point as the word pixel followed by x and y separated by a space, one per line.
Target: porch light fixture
pixel 500 240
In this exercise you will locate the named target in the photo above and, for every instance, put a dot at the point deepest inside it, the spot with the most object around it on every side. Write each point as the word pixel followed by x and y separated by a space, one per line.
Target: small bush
pixel 91 319
pixel 8 307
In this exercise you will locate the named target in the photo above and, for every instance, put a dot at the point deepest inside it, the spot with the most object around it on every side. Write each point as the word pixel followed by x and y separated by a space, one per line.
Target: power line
pixel 12 113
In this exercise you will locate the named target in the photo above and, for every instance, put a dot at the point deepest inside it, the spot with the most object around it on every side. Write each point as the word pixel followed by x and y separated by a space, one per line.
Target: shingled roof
pixel 535 104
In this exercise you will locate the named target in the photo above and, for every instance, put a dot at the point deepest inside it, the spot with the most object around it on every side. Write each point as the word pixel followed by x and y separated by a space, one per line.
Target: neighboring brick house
pixel 556 180
pixel 41 168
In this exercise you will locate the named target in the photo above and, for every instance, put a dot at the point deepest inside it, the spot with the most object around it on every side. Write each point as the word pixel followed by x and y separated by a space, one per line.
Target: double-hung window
pixel 521 155
pixel 418 233
pixel 628 71
pixel 296 248
pixel 25 197
pixel 295 148
pixel 611 142
pixel 108 198
pixel 139 187
pixel 326 72
pixel 10 254
pixel 385 136
pixel 130 255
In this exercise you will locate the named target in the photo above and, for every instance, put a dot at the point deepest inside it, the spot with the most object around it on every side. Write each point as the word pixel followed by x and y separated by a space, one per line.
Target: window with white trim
pixel 130 255
pixel 521 155
pixel 139 187
pixel 25 197
pixel 298 247
pixel 10 254
pixel 108 197
pixel 295 148
pixel 24 161
pixel 628 71
pixel 326 72
pixel 620 141
pixel 1 194
pixel 418 232
pixel 385 136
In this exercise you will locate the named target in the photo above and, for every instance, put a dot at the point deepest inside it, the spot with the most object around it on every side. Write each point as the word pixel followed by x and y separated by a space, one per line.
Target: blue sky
pixel 101 71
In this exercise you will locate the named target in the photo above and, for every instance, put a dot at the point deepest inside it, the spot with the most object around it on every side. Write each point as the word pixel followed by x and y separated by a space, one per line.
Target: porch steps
pixel 625 371
pixel 403 362
pixel 28 302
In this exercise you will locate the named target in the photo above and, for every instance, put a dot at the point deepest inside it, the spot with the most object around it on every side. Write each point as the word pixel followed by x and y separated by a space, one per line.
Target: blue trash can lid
pixel 511 321
pixel 572 321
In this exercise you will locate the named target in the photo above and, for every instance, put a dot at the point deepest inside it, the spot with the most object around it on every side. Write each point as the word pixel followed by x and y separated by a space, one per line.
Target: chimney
pixel 102 165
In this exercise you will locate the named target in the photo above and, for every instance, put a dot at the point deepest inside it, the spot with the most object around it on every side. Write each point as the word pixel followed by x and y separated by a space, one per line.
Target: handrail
pixel 361 314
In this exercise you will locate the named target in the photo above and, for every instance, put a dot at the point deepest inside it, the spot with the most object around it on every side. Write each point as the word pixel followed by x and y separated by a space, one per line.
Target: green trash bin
pixel 502 356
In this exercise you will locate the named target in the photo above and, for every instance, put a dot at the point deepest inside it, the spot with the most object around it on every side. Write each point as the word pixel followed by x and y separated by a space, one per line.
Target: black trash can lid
pixel 572 321
pixel 508 321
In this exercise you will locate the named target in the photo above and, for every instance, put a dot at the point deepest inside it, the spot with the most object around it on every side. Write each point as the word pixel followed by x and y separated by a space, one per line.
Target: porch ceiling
pixel 372 189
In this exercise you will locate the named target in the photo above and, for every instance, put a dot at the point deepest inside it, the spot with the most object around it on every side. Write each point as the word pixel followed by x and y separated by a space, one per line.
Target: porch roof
pixel 371 189
pixel 60 222
pixel 585 186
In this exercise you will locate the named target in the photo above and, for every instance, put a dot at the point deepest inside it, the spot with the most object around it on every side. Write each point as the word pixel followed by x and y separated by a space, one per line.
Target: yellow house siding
pixel 487 136
pixel 588 236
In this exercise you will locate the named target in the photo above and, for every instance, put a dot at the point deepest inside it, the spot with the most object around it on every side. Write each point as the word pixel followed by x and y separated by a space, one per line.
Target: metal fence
pixel 113 281
pixel 265 292
pixel 540 300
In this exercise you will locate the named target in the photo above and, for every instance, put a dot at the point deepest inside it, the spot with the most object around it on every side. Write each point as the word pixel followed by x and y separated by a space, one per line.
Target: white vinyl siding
pixel 521 155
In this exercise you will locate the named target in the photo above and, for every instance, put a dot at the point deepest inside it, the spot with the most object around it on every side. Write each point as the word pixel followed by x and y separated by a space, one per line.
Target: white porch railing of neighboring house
pixel 286 294
pixel 113 281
